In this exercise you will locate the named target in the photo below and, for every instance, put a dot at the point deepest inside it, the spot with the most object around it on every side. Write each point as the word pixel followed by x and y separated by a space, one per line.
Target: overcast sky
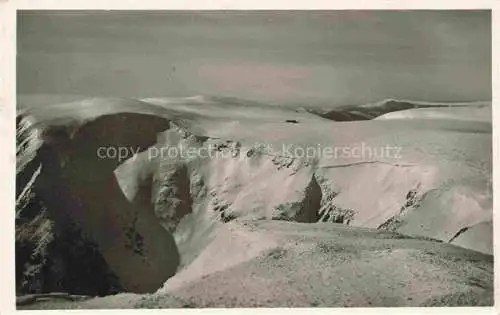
pixel 333 57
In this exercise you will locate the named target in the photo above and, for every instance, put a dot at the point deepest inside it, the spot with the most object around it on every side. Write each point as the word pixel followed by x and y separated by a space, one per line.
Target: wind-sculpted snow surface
pixel 197 173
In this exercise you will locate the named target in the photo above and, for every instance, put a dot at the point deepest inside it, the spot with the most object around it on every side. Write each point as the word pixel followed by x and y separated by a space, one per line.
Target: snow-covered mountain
pixel 374 195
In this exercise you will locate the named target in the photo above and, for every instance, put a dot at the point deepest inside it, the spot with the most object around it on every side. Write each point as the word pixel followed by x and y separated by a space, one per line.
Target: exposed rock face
pixel 93 224
pixel 305 210
pixel 173 196
pixel 87 207
pixel 52 252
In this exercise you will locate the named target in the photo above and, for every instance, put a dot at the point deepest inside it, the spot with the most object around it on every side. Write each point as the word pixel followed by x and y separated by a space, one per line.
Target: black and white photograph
pixel 253 159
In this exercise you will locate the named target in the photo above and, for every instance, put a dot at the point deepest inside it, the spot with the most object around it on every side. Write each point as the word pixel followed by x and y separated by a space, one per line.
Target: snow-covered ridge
pixel 471 113
pixel 439 188
pixel 380 108
pixel 417 103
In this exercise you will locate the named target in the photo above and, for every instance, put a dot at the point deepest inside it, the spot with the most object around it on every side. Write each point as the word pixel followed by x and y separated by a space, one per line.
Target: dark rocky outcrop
pixel 77 232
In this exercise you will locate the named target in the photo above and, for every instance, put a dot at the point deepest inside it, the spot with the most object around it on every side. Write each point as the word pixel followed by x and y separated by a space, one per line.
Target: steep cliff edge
pixel 123 195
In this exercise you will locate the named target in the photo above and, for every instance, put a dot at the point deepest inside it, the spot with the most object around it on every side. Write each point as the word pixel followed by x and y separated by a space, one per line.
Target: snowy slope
pixel 434 181
pixel 389 106
pixel 476 113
